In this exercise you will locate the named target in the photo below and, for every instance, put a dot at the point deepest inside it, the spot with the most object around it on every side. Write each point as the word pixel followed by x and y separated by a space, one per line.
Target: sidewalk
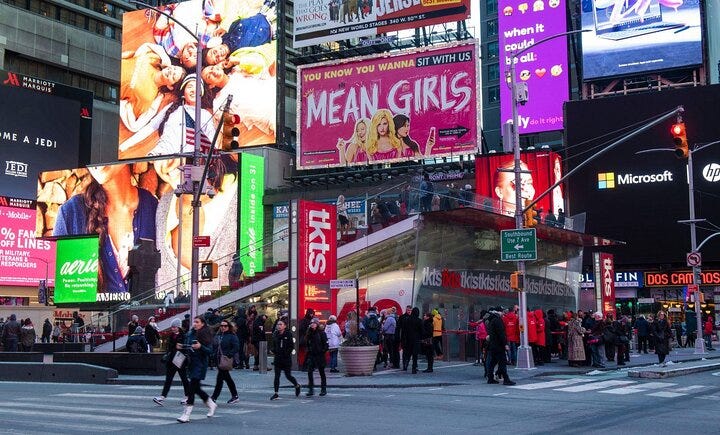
pixel 445 374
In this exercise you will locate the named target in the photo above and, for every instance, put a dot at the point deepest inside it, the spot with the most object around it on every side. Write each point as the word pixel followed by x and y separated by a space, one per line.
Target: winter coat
pixel 283 346
pixel 332 330
pixel 643 327
pixel 412 330
pixel 136 343
pixel 316 344
pixel 389 326
pixel 660 332
pixel 258 332
pixel 303 327
pixel 708 327
pixel 480 330
pixel 540 324
pixel 151 335
pixel 229 344
pixel 172 341
pixel 437 325
pixel 11 330
pixel 576 349
pixel 242 329
pixel 47 329
pixel 198 358
pixel 532 328
pixel 27 336
pixel 427 329
pixel 512 332
pixel 497 339
pixel 368 323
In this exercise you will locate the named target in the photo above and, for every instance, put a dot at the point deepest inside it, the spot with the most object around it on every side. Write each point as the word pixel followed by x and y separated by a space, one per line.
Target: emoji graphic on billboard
pixel 523 7
pixel 556 70
pixel 524 75
pixel 538 6
pixel 508 11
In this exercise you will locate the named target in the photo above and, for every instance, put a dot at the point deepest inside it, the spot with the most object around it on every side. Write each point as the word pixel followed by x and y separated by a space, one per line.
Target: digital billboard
pixel 252 190
pixel 407 106
pixel 77 269
pixel 318 21
pixel 638 36
pixel 157 85
pixel 639 199
pixel 544 68
pixel 24 260
pixel 124 203
pixel 499 186
pixel 38 132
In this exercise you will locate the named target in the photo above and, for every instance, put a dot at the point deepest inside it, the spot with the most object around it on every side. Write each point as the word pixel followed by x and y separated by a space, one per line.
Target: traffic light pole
pixel 699 342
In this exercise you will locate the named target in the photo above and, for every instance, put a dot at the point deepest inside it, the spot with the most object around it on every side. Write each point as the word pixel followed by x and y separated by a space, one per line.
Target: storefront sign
pixel 622 279
pixel 680 278
pixel 316 256
pixel 490 282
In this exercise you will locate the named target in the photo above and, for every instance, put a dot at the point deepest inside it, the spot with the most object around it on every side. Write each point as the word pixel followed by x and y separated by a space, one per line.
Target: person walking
pixel 11 334
pixel 427 342
pixel 175 342
pixel 283 346
pixel 332 330
pixel 411 334
pixel 198 347
pixel 228 347
pixel 497 347
pixel 27 336
pixel 661 334
pixel 317 345
pixel 643 331
pixel 46 331
pixel 302 333
pixel 438 329
pixel 136 343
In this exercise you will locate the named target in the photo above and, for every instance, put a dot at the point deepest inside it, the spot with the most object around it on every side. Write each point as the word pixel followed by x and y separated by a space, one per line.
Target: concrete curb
pixel 671 372
pixel 583 370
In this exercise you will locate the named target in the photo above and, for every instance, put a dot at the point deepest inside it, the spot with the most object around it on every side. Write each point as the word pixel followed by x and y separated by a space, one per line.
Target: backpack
pixel 372 324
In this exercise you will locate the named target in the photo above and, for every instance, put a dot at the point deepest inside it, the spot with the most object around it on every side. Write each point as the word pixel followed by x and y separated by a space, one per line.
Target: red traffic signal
pixel 680 139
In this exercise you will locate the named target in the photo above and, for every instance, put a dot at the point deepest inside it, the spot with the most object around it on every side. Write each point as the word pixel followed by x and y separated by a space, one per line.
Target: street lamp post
pixel 699 342
pixel 524 355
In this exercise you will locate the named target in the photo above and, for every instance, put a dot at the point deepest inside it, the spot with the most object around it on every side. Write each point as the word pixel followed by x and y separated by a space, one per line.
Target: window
pixel 493 94
pixel 491 6
pixel 493 49
pixel 492 27
pixel 493 72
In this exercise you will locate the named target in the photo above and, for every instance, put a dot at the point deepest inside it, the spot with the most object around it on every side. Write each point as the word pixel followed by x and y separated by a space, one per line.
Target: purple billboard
pixel 522 23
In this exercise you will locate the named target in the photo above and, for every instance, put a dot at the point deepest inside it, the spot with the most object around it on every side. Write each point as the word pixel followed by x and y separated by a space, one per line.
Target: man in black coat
pixel 497 345
pixel 410 334
pixel 643 329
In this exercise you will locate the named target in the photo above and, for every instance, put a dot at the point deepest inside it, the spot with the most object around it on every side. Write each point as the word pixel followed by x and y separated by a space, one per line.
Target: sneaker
pixel 233 400
pixel 274 397
pixel 508 382
pixel 297 390
pixel 184 401
pixel 338 371
pixel 159 400
pixel 492 381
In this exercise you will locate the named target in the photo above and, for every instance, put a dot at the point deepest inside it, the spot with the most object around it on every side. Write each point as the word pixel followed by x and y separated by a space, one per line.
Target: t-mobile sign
pixel 543 67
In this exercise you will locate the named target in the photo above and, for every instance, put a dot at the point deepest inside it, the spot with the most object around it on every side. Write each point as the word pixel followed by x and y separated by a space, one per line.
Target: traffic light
pixel 516 281
pixel 680 140
pixel 530 217
pixel 208 271
pixel 230 133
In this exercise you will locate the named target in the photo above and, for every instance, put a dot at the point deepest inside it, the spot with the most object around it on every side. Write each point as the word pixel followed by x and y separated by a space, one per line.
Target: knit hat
pixel 176 323
pixel 191 78
pixel 332 318
pixel 315 320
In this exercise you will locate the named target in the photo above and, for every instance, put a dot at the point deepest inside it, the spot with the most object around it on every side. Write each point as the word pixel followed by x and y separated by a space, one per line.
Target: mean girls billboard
pixel 379 109
pixel 157 79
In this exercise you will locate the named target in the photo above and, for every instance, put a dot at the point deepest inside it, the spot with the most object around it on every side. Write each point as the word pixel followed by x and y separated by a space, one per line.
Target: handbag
pixel 624 339
pixel 179 359
pixel 225 362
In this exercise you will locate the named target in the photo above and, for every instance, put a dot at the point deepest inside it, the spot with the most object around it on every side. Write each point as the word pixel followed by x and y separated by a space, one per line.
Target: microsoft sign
pixel 610 180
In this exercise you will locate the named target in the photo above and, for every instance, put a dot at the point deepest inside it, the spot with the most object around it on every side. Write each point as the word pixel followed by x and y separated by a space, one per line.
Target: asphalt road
pixel 608 402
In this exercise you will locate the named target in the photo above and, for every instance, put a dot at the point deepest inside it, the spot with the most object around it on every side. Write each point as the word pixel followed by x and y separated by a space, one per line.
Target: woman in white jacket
pixel 332 330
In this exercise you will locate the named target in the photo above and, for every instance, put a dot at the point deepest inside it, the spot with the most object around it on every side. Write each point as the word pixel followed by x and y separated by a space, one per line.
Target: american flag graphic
pixel 190 139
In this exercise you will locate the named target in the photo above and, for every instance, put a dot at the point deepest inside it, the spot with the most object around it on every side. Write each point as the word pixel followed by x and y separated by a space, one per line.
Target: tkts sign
pixel 317 256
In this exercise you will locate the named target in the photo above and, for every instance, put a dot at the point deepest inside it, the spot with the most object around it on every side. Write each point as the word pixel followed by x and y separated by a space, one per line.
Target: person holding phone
pixel 410 147
pixel 198 348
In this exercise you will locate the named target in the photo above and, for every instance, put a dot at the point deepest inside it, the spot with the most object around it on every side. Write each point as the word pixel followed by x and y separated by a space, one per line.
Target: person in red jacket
pixel 708 332
pixel 510 319
pixel 541 339
pixel 532 333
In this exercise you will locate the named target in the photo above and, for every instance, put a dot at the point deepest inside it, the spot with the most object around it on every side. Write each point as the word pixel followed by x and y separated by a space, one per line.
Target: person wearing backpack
pixel 136 343
pixel 317 346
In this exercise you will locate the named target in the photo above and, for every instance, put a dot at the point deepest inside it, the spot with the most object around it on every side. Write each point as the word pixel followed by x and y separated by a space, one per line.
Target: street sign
pixel 201 241
pixel 692 288
pixel 518 245
pixel 694 259
pixel 342 283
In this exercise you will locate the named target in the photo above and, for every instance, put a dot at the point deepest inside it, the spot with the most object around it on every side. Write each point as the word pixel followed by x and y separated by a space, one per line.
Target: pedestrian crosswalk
pixel 616 387
pixel 111 408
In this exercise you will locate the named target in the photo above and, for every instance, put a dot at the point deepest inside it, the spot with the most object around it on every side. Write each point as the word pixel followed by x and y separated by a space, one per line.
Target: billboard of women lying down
pixel 158 81
pixel 126 203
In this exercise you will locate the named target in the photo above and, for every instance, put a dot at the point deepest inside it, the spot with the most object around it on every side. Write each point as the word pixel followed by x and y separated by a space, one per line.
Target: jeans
pixel 311 369
pixel 596 358
pixel 11 344
pixel 708 341
pixel 283 367
pixel 497 358
pixel 513 352
pixel 224 375
pixel 333 359
pixel 195 388
pixel 171 369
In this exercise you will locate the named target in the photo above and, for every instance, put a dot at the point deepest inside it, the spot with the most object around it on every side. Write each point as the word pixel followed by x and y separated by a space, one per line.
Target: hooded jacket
pixel 497 340
pixel 412 330
pixel 540 327
pixel 511 327
pixel 332 330
pixel 531 328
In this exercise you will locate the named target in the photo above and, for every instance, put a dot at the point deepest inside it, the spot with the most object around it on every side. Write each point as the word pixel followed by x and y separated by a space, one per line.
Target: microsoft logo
pixel 606 180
